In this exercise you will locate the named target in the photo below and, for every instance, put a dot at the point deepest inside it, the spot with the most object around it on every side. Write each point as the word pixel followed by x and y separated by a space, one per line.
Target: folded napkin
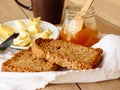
pixel 22 81
pixel 108 69
pixel 110 44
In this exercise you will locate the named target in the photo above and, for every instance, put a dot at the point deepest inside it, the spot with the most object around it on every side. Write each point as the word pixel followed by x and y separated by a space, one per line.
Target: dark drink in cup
pixel 48 10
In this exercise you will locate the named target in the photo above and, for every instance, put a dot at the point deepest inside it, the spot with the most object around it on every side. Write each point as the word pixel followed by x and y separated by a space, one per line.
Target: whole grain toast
pixel 66 54
pixel 24 62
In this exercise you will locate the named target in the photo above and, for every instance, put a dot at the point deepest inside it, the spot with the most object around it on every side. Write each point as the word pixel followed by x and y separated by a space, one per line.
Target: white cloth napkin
pixel 22 81
pixel 108 69
pixel 110 44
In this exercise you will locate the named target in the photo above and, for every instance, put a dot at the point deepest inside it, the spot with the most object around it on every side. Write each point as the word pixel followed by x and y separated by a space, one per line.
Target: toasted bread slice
pixel 24 62
pixel 66 54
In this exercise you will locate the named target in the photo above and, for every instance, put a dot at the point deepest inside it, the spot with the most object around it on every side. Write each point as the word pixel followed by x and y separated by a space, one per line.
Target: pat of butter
pixel 23 39
pixel 33 29
pixel 34 25
pixel 44 34
pixel 37 20
pixel 5 31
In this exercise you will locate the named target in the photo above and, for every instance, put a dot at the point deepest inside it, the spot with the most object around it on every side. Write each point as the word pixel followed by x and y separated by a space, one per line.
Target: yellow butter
pixel 23 39
pixel 34 26
pixel 33 29
pixel 44 34
pixel 5 31
pixel 35 19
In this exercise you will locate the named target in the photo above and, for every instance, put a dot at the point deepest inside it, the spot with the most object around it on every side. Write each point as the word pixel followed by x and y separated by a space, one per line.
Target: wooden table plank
pixel 106 85
pixel 61 87
pixel 107 27
pixel 9 11
pixel 27 12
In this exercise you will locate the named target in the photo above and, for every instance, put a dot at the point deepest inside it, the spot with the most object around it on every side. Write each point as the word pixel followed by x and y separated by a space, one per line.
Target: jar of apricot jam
pixel 81 30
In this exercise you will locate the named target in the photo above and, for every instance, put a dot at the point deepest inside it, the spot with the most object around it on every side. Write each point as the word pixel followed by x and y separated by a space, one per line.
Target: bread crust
pixel 66 54
pixel 24 62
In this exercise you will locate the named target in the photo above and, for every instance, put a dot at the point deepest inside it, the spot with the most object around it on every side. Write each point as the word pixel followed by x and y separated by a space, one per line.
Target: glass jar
pixel 79 28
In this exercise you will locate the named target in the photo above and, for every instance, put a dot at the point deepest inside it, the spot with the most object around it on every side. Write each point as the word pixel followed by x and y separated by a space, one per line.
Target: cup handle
pixel 24 6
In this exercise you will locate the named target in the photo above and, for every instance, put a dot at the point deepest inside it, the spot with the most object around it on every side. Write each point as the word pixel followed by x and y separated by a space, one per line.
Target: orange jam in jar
pixel 81 30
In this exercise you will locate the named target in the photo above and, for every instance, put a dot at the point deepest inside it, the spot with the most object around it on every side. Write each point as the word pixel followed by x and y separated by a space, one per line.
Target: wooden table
pixel 9 10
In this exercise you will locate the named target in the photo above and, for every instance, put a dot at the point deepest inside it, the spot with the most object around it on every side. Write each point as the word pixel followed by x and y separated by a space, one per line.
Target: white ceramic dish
pixel 44 26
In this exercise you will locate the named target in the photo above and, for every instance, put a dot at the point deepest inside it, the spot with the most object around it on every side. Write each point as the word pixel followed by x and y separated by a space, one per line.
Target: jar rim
pixel 71 12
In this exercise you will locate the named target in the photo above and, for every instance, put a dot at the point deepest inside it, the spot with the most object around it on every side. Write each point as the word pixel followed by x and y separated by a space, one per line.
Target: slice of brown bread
pixel 24 62
pixel 66 54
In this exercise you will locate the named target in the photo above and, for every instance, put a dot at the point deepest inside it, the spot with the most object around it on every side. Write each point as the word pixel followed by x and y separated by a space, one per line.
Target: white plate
pixel 43 24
